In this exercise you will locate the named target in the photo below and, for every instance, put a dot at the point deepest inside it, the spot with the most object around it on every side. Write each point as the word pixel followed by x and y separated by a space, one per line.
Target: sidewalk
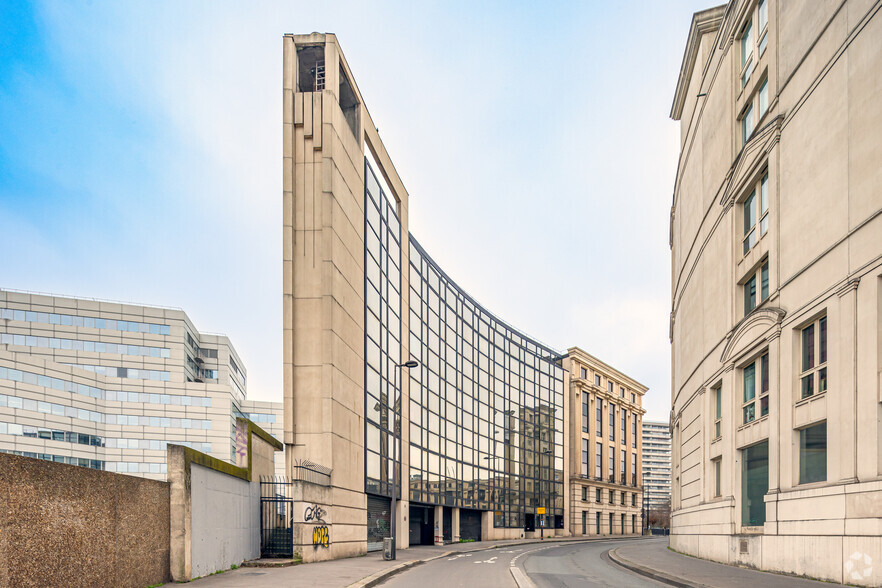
pixel 655 560
pixel 361 572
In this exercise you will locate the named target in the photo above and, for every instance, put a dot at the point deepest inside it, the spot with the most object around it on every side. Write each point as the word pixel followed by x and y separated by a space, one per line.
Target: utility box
pixel 387 548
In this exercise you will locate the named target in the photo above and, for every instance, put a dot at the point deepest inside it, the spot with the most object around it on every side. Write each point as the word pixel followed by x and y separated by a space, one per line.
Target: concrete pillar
pixel 455 525
pixel 842 428
pixel 439 525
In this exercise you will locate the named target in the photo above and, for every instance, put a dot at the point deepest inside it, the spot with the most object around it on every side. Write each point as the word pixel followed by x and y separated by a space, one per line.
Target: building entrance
pixel 421 524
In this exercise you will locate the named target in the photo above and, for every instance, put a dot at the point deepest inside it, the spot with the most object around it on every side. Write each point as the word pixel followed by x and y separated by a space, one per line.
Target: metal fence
pixel 307 471
pixel 276 517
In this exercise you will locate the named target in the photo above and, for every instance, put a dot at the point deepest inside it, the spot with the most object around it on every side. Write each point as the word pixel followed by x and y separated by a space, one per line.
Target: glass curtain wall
pixel 382 292
pixel 486 407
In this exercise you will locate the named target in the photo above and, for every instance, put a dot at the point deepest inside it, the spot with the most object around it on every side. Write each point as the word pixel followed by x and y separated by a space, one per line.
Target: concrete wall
pixel 215 514
pixel 224 519
pixel 65 525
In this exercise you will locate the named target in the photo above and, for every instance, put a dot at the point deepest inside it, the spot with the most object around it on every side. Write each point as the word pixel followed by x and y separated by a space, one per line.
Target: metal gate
pixel 276 517
pixel 379 518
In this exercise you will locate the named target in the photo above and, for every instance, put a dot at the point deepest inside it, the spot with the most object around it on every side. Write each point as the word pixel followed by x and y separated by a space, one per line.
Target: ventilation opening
pixel 311 68
pixel 348 102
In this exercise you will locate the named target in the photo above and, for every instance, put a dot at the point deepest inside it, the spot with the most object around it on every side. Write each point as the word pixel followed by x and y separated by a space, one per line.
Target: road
pixel 557 565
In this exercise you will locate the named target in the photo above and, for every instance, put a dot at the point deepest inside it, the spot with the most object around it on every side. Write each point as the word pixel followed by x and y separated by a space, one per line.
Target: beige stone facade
pixel 605 464
pixel 108 385
pixel 776 319
pixel 483 424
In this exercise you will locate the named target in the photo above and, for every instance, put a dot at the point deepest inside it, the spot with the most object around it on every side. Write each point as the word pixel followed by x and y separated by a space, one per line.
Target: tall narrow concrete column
pixel 454 524
pixel 439 525
pixel 842 427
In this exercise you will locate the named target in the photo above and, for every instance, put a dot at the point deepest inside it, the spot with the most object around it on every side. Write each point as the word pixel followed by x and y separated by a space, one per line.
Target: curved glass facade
pixel 485 415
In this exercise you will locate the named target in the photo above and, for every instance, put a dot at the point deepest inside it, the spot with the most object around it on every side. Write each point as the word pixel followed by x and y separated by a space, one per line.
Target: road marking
pixel 488 561
pixel 459 556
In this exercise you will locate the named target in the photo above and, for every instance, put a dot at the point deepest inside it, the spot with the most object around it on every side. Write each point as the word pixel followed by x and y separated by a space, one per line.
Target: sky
pixel 140 158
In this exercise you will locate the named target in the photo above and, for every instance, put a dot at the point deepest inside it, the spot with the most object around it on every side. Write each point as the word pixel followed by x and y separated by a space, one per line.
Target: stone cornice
pixel 849 286
pixel 702 22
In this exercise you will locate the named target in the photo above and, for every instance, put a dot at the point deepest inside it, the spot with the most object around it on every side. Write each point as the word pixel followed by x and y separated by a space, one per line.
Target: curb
pixel 650 573
pixel 282 563
pixel 378 578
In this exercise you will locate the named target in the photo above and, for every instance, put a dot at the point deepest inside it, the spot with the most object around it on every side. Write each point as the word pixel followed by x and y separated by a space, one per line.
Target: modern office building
pixel 605 481
pixel 657 464
pixel 481 415
pixel 776 315
pixel 108 385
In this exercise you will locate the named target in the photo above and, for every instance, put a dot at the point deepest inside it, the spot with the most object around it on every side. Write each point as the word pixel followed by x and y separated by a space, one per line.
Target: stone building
pixel 776 318
pixel 109 385
pixel 379 342
pixel 606 488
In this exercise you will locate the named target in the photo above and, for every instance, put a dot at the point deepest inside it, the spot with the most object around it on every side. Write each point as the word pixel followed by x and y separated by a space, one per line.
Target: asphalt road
pixel 556 565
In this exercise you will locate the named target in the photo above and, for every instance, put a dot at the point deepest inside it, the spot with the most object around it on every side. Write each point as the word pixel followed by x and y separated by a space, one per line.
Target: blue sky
pixel 140 158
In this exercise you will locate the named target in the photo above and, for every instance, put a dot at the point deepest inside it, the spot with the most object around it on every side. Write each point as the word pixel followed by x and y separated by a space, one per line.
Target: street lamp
pixel 542 521
pixel 644 514
pixel 396 431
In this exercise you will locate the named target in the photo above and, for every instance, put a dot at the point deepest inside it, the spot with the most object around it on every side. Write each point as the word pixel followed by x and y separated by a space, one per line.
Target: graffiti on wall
pixel 314 513
pixel 320 537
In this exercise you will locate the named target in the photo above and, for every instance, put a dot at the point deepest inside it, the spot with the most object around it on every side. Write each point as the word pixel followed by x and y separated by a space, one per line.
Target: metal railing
pixel 307 471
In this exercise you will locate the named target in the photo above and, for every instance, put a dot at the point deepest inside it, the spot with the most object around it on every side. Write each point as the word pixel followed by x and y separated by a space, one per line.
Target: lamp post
pixel 542 520
pixel 644 515
pixel 396 431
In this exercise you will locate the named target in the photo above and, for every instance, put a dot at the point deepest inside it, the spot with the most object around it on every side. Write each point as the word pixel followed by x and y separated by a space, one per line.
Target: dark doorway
pixel 448 525
pixel 421 524
pixel 469 524
pixel 529 522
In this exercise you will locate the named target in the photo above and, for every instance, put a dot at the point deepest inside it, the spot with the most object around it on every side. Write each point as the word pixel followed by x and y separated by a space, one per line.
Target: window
pixel 612 495
pixel 599 418
pixel 623 499
pixel 610 522
pixel 754 45
pixel 609 387
pixel 633 469
pixel 621 392
pixel 754 483
pixel 754 111
pixel 596 380
pixel 597 495
pixel 634 431
pixel 597 522
pixel 633 397
pixel 584 458
pixel 758 370
pixel 813 366
pixel 718 412
pixel 584 520
pixel 756 288
pixel 612 422
pixel 755 212
pixel 717 473
pixel 598 462
pixel 584 374
pixel 584 494
pixel 584 412
pixel 612 464
pixel 624 425
pixel 634 499
pixel 746 53
pixel 624 462
pixel 747 124
pixel 762 12
pixel 763 99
